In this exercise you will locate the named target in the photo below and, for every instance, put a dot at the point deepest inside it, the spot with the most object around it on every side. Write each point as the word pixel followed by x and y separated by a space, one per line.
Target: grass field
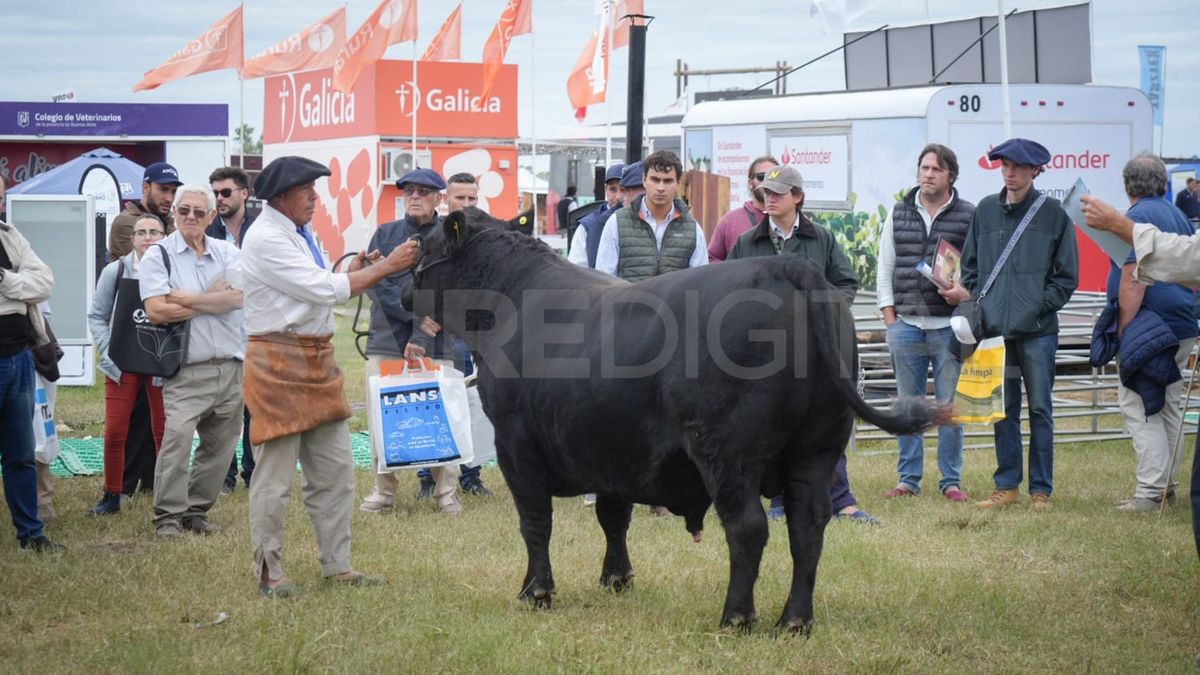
pixel 937 587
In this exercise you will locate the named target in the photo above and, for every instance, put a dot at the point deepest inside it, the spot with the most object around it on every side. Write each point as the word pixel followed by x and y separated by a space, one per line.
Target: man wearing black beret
pixel 1021 265
pixel 293 386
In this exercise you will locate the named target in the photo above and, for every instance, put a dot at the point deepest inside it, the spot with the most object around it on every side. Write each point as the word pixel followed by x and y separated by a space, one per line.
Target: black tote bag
pixel 138 346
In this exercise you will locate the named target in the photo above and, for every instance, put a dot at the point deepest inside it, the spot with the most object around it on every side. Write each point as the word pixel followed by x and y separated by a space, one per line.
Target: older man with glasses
pixel 193 283
pixel 396 333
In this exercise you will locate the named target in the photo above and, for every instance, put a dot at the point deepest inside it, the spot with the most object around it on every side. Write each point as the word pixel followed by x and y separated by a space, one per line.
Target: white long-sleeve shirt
pixel 285 291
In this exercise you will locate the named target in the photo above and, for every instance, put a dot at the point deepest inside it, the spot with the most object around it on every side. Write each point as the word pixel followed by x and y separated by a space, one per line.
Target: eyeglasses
pixel 226 193
pixel 147 233
pixel 420 191
pixel 186 211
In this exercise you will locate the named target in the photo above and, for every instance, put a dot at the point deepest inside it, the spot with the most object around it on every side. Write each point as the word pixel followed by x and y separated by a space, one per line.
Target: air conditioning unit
pixel 397 162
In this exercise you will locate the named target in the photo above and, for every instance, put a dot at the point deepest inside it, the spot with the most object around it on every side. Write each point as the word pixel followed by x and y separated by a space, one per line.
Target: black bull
pixel 709 386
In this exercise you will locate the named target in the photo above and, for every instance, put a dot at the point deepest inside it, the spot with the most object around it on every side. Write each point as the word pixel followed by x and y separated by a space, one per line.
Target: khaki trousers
pixel 446 477
pixel 1154 436
pixel 204 398
pixel 326 484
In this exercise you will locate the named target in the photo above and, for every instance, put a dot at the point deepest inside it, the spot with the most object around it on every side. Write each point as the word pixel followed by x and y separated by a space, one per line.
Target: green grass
pixel 938 587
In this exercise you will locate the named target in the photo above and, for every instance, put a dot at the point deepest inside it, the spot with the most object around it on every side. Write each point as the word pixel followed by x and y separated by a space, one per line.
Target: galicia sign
pixel 303 106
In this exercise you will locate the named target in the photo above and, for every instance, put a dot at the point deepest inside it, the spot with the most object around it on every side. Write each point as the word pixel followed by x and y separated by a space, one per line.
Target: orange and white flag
pixel 447 44
pixel 217 48
pixel 393 22
pixel 588 82
pixel 621 31
pixel 515 19
pixel 309 49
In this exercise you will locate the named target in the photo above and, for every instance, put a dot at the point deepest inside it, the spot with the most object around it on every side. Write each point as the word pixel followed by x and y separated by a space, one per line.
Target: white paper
pixel 1111 244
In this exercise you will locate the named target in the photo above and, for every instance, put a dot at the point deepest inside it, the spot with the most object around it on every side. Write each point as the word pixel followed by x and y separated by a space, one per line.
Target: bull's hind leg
pixel 734 488
pixel 806 501
pixel 614 516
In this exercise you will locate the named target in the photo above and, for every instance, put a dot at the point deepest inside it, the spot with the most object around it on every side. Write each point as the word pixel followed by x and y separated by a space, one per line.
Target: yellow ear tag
pixel 523 219
pixel 457 235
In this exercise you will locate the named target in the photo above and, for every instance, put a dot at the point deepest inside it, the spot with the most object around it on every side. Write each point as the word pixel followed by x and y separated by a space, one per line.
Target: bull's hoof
pixel 796 626
pixel 616 582
pixel 741 623
pixel 538 598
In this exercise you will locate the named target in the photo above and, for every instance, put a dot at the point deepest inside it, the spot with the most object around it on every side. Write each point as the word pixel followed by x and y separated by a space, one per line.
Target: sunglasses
pixel 410 190
pixel 226 193
pixel 760 176
pixel 186 211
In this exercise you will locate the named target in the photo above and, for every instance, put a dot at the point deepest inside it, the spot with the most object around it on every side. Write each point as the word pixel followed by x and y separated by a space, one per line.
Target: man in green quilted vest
pixel 655 233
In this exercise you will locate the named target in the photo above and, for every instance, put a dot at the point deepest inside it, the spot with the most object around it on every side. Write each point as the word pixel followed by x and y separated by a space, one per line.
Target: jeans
pixel 1196 494
pixel 912 351
pixel 17 384
pixel 247 455
pixel 1031 360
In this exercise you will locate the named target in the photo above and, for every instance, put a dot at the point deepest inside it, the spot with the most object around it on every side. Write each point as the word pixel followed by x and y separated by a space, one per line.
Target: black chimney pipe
pixel 637 86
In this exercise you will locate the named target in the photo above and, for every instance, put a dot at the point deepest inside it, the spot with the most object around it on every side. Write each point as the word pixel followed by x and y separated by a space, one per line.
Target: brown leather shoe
pixel 1000 498
pixel 200 525
pixel 1041 501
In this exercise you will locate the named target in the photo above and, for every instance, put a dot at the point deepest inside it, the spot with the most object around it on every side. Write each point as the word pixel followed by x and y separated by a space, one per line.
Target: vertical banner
pixel 1153 86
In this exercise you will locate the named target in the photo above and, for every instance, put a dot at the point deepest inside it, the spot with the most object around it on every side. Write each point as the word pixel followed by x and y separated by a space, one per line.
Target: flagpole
pixel 1004 74
pixel 607 76
pixel 242 96
pixel 415 103
pixel 533 122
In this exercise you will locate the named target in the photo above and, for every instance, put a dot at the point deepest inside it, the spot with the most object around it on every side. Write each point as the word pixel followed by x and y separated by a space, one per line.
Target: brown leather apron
pixel 292 384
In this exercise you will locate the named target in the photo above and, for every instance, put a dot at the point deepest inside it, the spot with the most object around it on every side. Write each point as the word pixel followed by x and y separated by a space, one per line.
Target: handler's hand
pixel 362 260
pixel 955 294
pixel 1103 216
pixel 413 352
pixel 403 257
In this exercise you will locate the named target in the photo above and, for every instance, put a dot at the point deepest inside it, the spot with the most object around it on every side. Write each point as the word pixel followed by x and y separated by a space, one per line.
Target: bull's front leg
pixel 536 516
pixel 616 572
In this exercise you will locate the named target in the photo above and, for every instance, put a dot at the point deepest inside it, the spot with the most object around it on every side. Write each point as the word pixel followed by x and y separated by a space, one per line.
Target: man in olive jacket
pixel 1022 305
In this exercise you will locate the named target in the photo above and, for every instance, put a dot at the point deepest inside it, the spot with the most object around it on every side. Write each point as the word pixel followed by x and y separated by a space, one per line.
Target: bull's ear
pixel 454 228
pixel 522 223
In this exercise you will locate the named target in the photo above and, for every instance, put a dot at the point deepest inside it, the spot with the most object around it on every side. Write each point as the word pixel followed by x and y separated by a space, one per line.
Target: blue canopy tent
pixel 108 177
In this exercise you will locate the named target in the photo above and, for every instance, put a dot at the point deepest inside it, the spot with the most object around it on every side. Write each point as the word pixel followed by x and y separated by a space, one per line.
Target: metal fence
pixel 1085 398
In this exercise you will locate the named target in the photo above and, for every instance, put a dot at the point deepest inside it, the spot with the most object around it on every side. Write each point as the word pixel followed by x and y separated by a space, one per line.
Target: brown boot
pixel 1000 498
pixel 1041 501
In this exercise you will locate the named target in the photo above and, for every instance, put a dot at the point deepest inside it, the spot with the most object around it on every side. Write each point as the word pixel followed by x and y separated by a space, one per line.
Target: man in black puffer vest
pixel 916 314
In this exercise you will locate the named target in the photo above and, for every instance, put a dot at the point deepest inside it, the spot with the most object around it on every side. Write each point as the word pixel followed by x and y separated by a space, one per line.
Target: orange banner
pixel 314 47
pixel 515 19
pixel 217 48
pixel 393 22
pixel 447 44
pixel 588 81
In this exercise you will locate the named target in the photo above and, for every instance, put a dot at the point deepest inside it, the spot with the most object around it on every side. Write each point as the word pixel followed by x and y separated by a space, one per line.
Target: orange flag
pixel 311 48
pixel 217 48
pixel 515 19
pixel 447 44
pixel 588 81
pixel 393 22
pixel 621 30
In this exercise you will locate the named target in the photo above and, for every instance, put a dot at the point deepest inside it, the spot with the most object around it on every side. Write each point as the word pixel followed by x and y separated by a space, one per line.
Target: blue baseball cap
pixel 632 176
pixel 1021 151
pixel 426 177
pixel 614 172
pixel 161 173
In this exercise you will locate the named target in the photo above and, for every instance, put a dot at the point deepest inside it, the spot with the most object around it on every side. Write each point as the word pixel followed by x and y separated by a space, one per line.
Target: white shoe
pixel 450 507
pixel 589 499
pixel 376 503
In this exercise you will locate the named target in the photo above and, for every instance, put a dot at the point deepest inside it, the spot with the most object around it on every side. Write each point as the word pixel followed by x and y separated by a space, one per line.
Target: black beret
pixel 284 173
pixel 1021 151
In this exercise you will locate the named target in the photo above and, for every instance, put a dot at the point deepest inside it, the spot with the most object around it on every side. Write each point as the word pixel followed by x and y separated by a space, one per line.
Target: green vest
pixel 640 256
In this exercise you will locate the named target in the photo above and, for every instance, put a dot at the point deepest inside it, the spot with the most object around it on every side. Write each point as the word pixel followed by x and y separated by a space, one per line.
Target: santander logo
pixel 1086 159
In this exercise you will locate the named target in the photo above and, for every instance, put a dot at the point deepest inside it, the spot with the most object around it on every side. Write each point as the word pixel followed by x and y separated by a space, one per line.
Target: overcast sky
pixel 100 49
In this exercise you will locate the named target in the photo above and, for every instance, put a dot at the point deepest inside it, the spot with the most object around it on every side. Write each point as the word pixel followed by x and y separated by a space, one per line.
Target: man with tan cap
pixel 785 230
pixel 293 385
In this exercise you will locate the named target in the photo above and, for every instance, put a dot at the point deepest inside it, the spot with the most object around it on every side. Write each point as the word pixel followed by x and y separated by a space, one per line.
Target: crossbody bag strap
pixel 1012 243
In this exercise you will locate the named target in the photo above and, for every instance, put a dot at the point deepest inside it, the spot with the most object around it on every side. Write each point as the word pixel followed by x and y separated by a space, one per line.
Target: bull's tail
pixel 831 325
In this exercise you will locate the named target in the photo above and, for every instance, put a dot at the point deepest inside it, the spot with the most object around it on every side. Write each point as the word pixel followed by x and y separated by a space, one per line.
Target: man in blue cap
pixel 159 182
pixel 595 220
pixel 1021 265
pixel 396 333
